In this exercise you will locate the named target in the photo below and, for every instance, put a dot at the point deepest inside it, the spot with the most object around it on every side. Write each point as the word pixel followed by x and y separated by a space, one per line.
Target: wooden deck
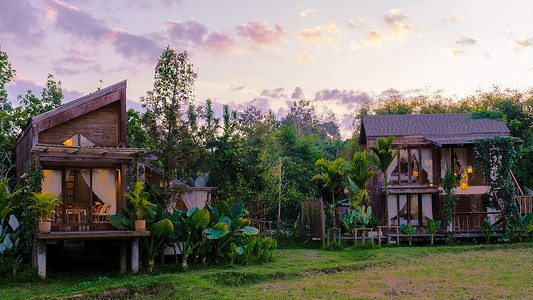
pixel 127 237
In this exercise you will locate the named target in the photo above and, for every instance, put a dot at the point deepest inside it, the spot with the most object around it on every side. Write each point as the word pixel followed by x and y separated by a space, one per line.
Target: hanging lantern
pixel 464 185
pixel 346 191
pixel 470 169
pixel 415 173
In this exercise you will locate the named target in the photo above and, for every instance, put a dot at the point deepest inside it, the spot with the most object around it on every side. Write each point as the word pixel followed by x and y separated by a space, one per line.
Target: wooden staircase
pixel 525 203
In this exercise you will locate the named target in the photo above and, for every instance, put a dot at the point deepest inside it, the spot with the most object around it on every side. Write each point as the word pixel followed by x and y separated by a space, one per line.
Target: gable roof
pixel 432 125
pixel 46 120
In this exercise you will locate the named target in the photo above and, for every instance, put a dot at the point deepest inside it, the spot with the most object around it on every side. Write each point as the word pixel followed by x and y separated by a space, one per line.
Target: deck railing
pixel 470 221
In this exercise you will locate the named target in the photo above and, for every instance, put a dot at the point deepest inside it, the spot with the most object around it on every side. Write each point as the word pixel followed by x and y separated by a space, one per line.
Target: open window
pixel 78 140
pixel 412 165
pixel 414 208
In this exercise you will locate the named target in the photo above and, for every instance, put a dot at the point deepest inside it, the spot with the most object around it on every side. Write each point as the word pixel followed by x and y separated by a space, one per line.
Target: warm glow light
pixel 415 173
pixel 464 185
pixel 68 142
pixel 346 191
pixel 469 169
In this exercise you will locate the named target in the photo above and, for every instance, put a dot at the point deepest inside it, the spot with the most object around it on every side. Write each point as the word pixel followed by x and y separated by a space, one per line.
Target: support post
pixel 41 258
pixel 135 255
pixel 123 256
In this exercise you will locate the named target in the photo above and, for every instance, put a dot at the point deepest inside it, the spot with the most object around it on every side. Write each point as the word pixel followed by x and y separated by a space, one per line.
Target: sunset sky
pixel 270 53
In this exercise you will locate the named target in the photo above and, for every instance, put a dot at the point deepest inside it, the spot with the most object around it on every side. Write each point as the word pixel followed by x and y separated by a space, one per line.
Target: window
pixel 78 140
pixel 414 208
pixel 412 165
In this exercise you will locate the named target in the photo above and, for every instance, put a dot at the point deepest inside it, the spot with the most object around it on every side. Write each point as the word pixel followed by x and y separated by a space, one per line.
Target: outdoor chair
pixel 101 214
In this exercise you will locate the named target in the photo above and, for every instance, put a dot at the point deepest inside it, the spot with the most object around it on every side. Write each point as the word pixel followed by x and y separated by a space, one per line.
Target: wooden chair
pixel 101 214
pixel 456 224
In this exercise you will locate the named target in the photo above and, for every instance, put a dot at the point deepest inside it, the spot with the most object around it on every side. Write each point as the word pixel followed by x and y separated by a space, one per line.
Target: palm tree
pixel 359 174
pixel 331 174
pixel 383 156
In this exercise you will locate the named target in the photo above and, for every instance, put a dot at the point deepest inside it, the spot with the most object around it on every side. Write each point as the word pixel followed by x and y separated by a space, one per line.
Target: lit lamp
pixel 464 185
pixel 415 173
pixel 470 169
pixel 346 191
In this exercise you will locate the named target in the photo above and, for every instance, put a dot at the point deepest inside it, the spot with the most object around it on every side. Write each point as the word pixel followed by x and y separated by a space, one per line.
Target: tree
pixel 359 174
pixel 331 173
pixel 383 156
pixel 7 130
pixel 136 135
pixel 172 93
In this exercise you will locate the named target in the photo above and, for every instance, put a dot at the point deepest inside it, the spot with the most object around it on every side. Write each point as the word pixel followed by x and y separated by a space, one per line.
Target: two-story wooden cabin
pixel 430 145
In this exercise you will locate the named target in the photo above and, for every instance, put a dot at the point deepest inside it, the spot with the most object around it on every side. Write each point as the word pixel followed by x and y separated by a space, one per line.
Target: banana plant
pixel 432 228
pixel 191 225
pixel 522 224
pixel 408 230
pixel 488 229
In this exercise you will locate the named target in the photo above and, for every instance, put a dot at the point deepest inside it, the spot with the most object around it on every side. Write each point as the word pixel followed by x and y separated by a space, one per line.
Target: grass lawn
pixel 477 271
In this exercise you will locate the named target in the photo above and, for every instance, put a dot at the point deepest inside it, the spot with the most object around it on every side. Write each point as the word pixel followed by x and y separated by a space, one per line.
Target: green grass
pixel 495 271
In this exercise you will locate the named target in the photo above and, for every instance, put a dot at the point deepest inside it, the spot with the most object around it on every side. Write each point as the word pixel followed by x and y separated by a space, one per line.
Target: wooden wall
pixel 23 153
pixel 100 126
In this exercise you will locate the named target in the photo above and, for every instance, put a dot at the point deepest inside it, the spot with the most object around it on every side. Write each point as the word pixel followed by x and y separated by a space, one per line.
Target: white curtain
pixel 403 202
pixel 393 208
pixel 104 186
pixel 460 153
pixel 195 199
pixel 427 208
pixel 52 182
pixel 443 166
pixel 391 168
pixel 427 163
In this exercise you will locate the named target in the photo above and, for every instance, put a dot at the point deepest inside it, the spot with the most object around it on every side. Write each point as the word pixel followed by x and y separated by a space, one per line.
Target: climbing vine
pixel 496 156
pixel 449 200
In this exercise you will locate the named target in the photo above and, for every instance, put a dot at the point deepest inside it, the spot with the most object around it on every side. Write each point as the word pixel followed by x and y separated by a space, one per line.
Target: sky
pixel 271 53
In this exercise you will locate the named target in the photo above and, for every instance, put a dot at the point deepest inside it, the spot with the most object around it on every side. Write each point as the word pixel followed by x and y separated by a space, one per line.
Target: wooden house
pixel 81 148
pixel 430 145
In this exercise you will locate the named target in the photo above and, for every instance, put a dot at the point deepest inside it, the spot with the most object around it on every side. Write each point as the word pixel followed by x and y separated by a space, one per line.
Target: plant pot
pixel 140 225
pixel 45 227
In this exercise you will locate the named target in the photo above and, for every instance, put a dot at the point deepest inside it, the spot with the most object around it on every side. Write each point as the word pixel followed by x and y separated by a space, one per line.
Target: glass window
pixel 78 140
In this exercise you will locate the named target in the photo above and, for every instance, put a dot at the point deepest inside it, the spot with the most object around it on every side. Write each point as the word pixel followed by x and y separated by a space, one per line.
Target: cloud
pixel 134 46
pixel 455 18
pixel 357 23
pixel 274 94
pixel 20 22
pixel 190 30
pixel 20 86
pixel 298 93
pixel 73 21
pixel 524 42
pixel 456 51
pixel 326 33
pixel 236 88
pixel 306 14
pixel 395 25
pixel 466 41
pixel 260 33
pixel 305 57
pixel 373 38
pixel 220 42
pixel 346 97
pixel 354 45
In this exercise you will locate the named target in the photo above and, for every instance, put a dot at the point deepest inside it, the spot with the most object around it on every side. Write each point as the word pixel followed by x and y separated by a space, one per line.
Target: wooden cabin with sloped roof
pixel 430 145
pixel 81 148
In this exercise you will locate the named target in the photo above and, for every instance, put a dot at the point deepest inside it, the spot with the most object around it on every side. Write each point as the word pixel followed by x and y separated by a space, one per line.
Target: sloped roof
pixel 432 125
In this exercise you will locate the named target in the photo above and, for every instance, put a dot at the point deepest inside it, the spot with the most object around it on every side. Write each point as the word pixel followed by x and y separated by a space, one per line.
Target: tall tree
pixel 171 95
pixel 359 174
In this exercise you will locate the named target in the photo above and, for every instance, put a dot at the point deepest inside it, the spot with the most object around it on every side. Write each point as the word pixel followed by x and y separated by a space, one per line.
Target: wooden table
pixel 125 236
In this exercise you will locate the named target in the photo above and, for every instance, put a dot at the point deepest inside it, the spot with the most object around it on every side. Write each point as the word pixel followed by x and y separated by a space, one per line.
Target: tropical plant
pixel 159 232
pixel 267 245
pixel 359 217
pixel 191 225
pixel 432 228
pixel 45 205
pixel 138 197
pixel 383 156
pixel 10 245
pixel 331 173
pixel 488 229
pixel 408 231
pixel 234 251
pixel 449 199
pixel 358 176
pixel 521 224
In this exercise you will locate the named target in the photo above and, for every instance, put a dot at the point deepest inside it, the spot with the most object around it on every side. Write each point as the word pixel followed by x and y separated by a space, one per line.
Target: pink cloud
pixel 190 30
pixel 220 42
pixel 319 34
pixel 20 22
pixel 260 33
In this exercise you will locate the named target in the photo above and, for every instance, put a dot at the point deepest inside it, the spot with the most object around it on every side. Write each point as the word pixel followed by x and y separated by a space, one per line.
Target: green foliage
pixel 488 229
pixel 331 173
pixel 432 228
pixel 521 224
pixel 234 251
pixel 45 205
pixel 360 217
pixel 6 197
pixel 267 245
pixel 359 174
pixel 11 233
pixel 159 232
pixel 496 156
pixel 449 199
pixel 383 156
pixel 136 134
pixel 408 231
pixel 138 197
pixel 121 222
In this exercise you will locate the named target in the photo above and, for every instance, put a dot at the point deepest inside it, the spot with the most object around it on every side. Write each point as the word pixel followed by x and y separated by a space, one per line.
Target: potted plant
pixel 142 207
pixel 45 205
